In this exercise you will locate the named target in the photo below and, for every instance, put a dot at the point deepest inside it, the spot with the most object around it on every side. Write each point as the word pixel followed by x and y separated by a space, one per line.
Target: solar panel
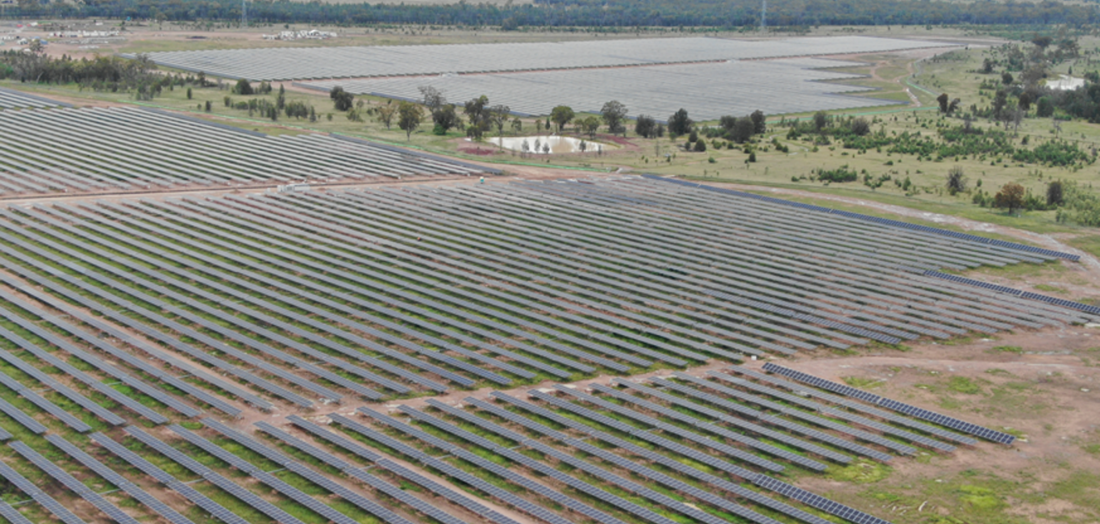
pixel 816 501
pixel 905 409
pixel 72 484
pixel 39 496
pixel 130 488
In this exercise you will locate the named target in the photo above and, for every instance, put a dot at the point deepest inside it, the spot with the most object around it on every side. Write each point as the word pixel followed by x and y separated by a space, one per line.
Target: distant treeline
pixel 582 13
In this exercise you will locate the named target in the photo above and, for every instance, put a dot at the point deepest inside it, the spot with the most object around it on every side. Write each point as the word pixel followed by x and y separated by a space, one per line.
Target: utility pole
pixel 764 17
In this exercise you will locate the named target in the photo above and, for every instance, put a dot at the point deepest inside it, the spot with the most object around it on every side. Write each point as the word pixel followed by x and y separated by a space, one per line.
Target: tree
pixel 1011 197
pixel 1024 102
pixel 645 126
pixel 446 118
pixel 280 99
pixel 679 123
pixel 944 101
pixel 953 106
pixel 208 104
pixel 498 116
pixel 759 123
pixel 189 93
pixel 614 113
pixel 1044 107
pixel 956 180
pixel 860 126
pixel 517 125
pixel 432 98
pixel 1000 100
pixel 243 87
pixel 409 117
pixel 343 100
pixel 1006 78
pixel 1042 41
pixel 1055 194
pixel 987 66
pixel 701 146
pixel 386 113
pixel 477 112
pixel 821 121
pixel 742 130
pixel 589 126
pixel 562 115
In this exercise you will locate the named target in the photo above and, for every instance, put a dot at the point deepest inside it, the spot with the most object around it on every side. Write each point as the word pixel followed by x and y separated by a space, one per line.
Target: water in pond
pixel 557 144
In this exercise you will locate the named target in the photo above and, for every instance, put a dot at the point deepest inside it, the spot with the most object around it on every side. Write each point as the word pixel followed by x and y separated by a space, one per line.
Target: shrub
pixel 956 180
pixel 700 146
pixel 840 174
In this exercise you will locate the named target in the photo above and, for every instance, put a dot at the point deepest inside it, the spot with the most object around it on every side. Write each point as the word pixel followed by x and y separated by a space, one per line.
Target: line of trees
pixel 581 13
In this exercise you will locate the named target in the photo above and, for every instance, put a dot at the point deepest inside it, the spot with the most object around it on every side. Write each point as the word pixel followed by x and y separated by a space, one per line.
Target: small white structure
pixel 290 188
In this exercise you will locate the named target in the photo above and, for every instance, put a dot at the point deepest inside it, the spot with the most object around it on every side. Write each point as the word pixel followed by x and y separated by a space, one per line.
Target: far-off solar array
pixel 94 149
pixel 351 62
pixel 708 91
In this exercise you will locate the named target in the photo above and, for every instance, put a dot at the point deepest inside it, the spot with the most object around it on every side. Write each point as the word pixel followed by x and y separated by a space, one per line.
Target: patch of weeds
pixel 998 372
pixel 963 385
pixel 1049 288
pixel 1006 349
pixel 980 498
pixel 861 471
pixel 1093 449
pixel 862 383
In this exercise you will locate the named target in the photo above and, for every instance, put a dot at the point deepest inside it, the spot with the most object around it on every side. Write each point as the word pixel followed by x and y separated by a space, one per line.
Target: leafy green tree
pixel 446 118
pixel 1044 107
pixel 1011 197
pixel 589 126
pixel 562 115
pixel 409 117
pixel 645 126
pixel 700 146
pixel 243 87
pixel 280 99
pixel 342 100
pixel 477 113
pixel 1024 102
pixel 1007 79
pixel 614 113
pixel 759 122
pixel 821 121
pixel 859 126
pixel 1055 193
pixel 743 129
pixel 498 116
pixel 189 93
pixel 679 123
pixel 386 113
pixel 944 101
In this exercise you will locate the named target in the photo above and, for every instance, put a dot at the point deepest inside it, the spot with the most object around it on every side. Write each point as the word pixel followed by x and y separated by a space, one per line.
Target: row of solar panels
pixel 1013 291
pixel 644 411
pixel 900 407
pixel 879 220
pixel 79 149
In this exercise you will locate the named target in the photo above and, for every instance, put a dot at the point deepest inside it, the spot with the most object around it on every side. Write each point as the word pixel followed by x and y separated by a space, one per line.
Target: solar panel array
pixel 900 407
pixel 98 149
pixel 12 99
pixel 301 299
pixel 707 90
pixel 349 62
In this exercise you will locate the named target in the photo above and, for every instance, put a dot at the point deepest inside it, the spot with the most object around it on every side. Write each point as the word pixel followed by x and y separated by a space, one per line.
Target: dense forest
pixel 583 13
